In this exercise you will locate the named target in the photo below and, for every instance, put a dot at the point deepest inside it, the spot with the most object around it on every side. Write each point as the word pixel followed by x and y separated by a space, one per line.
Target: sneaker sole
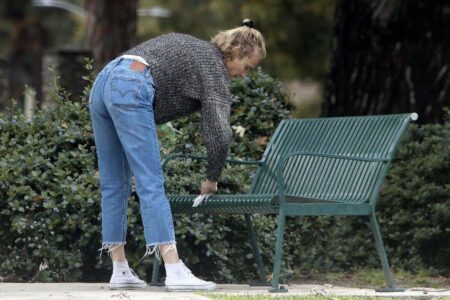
pixel 128 286
pixel 188 288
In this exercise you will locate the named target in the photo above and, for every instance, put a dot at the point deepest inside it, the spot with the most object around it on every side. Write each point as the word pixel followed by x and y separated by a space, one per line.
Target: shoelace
pixel 130 271
pixel 133 272
pixel 188 272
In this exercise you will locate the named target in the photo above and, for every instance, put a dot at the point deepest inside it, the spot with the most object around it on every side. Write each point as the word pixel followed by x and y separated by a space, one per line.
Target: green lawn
pixel 374 278
pixel 364 278
pixel 264 297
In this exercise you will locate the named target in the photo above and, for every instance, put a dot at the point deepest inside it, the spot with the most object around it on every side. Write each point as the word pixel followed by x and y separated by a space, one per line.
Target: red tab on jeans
pixel 138 66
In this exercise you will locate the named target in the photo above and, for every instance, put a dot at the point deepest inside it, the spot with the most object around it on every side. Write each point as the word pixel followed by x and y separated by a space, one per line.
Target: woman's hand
pixel 208 187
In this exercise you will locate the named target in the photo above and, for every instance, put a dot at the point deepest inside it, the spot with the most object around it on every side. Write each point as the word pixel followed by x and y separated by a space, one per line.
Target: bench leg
pixel 382 253
pixel 278 251
pixel 256 252
pixel 155 272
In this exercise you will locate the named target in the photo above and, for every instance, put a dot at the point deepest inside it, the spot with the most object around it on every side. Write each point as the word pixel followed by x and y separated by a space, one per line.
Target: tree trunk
pixel 111 28
pixel 28 39
pixel 390 56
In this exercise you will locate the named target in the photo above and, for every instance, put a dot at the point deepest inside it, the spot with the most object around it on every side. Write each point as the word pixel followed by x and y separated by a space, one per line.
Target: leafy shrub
pixel 48 193
pixel 416 200
pixel 50 203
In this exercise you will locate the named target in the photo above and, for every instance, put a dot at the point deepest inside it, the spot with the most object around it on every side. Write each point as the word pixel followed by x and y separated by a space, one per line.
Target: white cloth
pixel 200 199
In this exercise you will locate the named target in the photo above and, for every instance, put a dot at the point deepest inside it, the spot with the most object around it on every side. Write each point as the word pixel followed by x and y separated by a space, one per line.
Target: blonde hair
pixel 248 39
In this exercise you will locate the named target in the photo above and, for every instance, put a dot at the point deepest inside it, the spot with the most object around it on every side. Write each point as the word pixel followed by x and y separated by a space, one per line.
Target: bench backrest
pixel 332 175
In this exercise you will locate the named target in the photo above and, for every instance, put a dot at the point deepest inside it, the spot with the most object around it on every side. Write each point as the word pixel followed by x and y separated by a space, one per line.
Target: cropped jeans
pixel 121 108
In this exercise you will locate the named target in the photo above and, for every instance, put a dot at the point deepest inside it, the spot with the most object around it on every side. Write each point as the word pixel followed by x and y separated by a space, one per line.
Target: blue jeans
pixel 121 107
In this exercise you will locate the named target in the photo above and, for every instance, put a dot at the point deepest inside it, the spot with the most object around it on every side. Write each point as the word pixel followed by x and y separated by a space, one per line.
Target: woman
pixel 157 81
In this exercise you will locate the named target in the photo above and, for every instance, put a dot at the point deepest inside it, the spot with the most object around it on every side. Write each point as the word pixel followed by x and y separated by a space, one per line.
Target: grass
pixel 363 278
pixel 372 278
pixel 261 297
pixel 318 297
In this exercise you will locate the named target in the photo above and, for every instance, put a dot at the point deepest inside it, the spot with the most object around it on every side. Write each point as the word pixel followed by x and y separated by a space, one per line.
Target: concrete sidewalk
pixel 100 291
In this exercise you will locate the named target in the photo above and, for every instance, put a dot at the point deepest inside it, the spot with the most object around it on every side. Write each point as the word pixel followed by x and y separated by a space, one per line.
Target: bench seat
pixel 265 204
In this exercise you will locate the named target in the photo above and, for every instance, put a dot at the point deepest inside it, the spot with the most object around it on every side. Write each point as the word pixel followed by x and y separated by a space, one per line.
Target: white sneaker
pixel 126 279
pixel 184 280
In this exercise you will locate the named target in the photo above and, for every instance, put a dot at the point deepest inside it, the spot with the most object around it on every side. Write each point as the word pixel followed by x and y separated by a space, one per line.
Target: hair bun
pixel 248 23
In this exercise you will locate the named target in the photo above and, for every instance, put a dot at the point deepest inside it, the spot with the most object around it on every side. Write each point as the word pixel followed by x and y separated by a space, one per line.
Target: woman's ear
pixel 235 52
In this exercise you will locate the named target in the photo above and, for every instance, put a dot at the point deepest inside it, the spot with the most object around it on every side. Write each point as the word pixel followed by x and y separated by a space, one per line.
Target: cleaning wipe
pixel 200 199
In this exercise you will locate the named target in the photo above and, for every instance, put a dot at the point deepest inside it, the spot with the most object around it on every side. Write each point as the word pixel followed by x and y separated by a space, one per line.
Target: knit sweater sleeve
pixel 216 134
pixel 215 116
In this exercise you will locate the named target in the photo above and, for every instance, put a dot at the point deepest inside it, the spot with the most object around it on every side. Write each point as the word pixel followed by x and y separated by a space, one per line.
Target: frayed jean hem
pixel 154 248
pixel 110 247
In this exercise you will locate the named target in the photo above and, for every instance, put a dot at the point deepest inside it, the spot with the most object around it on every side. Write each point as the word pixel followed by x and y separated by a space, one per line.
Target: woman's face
pixel 239 66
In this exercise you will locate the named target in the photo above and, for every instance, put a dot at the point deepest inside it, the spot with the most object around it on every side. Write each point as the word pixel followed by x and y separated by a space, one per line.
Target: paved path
pixel 100 291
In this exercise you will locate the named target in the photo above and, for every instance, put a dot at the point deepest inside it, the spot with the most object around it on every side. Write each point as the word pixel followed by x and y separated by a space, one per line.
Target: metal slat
pixel 307 163
pixel 335 166
pixel 392 138
pixel 361 149
pixel 343 137
pixel 308 145
pixel 338 181
pixel 344 179
pixel 323 178
pixel 376 142
pixel 356 187
pixel 335 136
pixel 315 163
pixel 295 175
pixel 321 141
pixel 369 183
pixel 290 170
pixel 286 145
pixel 261 174
pixel 393 129
pixel 367 180
pixel 352 178
pixel 357 139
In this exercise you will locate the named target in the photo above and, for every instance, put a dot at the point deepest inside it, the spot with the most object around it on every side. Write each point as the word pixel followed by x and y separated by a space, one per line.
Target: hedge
pixel 50 206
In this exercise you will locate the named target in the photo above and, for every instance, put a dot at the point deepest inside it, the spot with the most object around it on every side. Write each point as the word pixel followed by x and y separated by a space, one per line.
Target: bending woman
pixel 160 80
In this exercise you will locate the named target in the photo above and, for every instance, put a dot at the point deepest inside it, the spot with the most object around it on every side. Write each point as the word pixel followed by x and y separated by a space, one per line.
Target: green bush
pixel 50 206
pixel 416 200
pixel 50 203
pixel 48 193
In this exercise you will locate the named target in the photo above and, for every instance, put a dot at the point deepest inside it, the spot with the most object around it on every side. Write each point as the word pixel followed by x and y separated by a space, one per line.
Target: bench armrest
pixel 204 157
pixel 281 164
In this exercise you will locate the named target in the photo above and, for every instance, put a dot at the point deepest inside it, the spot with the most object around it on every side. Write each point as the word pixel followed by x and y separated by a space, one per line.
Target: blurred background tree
pixel 26 33
pixel 373 57
pixel 390 57
pixel 111 28
pixel 298 34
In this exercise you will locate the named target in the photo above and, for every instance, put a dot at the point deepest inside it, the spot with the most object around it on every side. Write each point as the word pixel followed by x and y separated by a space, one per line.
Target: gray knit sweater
pixel 190 75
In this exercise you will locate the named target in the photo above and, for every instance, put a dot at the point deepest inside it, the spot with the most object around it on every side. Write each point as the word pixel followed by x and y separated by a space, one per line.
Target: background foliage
pixel 49 200
pixel 298 33
pixel 298 36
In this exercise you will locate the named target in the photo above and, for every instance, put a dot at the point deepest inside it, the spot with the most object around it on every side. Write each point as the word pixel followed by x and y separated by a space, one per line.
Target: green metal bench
pixel 312 167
